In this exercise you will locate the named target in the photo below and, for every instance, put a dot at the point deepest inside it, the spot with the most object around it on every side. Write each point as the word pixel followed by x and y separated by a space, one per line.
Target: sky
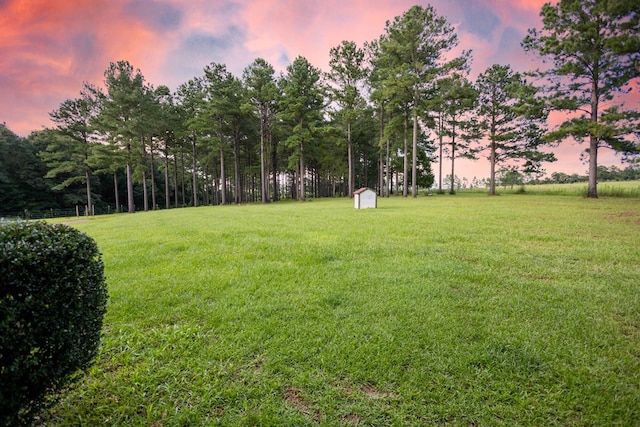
pixel 48 48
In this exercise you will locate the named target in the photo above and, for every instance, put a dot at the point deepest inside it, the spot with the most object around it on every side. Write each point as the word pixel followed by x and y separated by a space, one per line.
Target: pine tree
pixel 593 46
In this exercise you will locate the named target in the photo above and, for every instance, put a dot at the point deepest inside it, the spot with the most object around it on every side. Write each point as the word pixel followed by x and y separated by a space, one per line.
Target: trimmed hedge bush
pixel 52 303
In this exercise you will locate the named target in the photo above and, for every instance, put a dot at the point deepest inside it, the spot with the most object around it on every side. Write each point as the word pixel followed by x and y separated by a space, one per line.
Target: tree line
pixel 382 116
pixel 510 176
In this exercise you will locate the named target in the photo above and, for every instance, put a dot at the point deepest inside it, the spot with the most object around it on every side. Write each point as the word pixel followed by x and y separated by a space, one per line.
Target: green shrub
pixel 52 303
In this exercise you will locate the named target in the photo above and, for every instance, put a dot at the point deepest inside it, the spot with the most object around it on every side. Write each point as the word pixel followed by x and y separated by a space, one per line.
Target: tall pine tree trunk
pixel 274 165
pixel 293 182
pixel 405 188
pixel 205 189
pixel 302 187
pixel 492 172
pixel 592 192
pixel 153 182
pixel 441 131
pixel 452 190
pixel 350 159
pixel 383 183
pixel 264 177
pixel 414 151
pixel 182 181
pixel 175 180
pixel 116 192
pixel 87 177
pixel 130 206
pixel 215 183
pixel 193 167
pixel 237 187
pixel 492 158
pixel 389 173
pixel 145 194
pixel 167 202
pixel 223 179
pixel 380 172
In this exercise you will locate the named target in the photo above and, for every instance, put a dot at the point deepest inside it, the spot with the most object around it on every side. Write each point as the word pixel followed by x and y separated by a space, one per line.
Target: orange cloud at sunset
pixel 50 47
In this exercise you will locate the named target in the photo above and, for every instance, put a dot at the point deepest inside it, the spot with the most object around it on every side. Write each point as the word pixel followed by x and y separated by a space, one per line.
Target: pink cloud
pixel 311 29
pixel 49 48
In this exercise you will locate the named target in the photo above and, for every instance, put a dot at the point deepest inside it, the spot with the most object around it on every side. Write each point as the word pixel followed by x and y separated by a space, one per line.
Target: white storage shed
pixel 365 198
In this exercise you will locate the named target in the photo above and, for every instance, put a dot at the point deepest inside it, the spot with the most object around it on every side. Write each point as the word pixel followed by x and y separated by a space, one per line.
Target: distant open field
pixel 444 310
pixel 630 189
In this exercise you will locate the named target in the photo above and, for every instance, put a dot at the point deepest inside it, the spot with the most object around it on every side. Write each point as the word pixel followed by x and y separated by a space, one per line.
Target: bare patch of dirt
pixel 374 393
pixel 368 389
pixel 627 216
pixel 294 397
pixel 352 419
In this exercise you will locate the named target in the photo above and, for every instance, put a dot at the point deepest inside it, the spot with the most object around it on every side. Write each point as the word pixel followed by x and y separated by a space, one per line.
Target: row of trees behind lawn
pixel 381 116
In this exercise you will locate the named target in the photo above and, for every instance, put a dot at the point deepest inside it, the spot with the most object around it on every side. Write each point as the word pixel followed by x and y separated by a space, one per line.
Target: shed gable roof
pixel 361 190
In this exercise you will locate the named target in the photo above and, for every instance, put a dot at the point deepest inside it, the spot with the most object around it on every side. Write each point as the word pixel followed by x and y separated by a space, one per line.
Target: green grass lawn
pixel 444 310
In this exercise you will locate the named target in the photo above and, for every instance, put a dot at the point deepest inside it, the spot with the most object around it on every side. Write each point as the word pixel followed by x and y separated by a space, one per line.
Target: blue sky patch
pixel 157 15
pixel 479 20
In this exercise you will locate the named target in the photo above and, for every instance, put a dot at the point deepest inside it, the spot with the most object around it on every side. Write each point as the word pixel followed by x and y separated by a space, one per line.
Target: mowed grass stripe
pixel 511 310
